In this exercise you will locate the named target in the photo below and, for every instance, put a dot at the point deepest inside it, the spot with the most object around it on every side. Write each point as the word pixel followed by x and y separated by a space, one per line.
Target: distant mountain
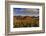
pixel 25 17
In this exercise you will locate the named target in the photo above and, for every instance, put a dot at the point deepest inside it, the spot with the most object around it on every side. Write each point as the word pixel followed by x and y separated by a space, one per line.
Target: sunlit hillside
pixel 26 21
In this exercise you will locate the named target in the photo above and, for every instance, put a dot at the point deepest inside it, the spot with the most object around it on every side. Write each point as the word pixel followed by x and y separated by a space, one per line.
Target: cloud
pixel 25 11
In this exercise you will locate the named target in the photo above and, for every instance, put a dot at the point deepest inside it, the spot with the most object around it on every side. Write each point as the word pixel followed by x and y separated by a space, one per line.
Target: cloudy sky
pixel 25 12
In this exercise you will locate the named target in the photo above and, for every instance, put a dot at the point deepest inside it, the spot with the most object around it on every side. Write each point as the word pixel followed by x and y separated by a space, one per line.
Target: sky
pixel 25 12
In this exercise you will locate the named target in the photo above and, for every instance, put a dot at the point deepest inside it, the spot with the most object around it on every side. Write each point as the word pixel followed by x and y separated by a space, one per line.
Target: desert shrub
pixel 35 22
pixel 21 24
pixel 25 25
pixel 35 25
pixel 15 25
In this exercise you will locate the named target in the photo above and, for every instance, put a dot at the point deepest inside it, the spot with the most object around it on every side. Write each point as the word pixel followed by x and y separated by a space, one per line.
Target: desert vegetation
pixel 26 21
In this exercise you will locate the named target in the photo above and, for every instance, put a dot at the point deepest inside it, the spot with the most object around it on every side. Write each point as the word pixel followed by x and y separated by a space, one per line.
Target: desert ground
pixel 25 21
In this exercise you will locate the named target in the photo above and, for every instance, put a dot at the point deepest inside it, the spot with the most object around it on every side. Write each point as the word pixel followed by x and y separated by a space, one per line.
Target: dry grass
pixel 26 21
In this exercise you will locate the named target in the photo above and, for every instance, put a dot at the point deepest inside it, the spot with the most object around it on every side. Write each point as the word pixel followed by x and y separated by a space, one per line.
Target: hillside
pixel 26 21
